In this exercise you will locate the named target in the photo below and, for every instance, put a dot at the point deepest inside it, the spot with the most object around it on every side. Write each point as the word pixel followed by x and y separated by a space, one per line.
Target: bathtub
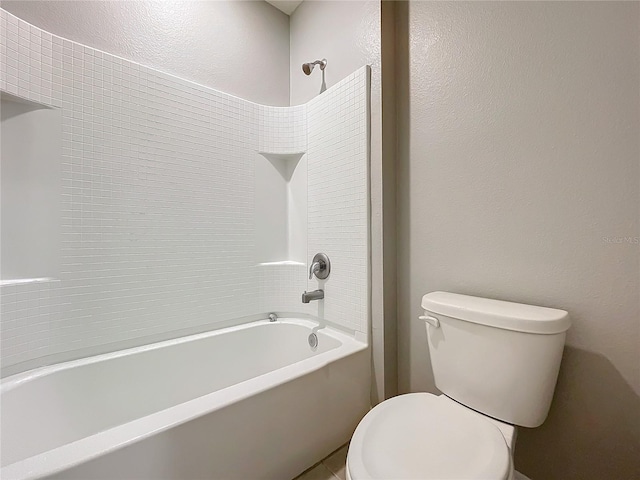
pixel 247 402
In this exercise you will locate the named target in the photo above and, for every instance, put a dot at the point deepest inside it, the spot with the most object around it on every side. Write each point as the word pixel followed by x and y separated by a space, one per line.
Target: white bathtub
pixel 247 402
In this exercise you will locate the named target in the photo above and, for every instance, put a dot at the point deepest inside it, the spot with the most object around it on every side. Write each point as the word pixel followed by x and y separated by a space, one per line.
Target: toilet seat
pixel 423 436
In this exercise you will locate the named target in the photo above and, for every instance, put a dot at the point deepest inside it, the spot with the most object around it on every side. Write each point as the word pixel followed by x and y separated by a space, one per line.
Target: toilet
pixel 496 364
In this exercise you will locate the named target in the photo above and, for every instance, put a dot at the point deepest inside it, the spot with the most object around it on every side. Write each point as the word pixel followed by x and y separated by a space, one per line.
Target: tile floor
pixel 331 468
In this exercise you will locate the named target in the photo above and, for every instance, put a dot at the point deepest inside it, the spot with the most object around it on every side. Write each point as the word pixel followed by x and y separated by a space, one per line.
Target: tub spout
pixel 315 295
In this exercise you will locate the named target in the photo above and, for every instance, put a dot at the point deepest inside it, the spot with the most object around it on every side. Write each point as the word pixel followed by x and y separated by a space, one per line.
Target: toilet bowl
pixel 496 364
pixel 424 436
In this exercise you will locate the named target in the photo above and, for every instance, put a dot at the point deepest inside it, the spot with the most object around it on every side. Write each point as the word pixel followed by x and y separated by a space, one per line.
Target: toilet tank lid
pixel 497 313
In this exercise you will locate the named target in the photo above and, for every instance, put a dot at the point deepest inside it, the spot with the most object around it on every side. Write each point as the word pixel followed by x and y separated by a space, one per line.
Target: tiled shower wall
pixel 338 196
pixel 157 207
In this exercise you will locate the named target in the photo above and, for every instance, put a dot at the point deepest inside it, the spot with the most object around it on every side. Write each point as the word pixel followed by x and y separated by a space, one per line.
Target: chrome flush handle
pixel 433 321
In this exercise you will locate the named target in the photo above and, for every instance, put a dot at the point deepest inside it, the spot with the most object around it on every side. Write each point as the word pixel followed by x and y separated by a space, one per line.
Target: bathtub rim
pixel 11 371
pixel 13 381
pixel 85 449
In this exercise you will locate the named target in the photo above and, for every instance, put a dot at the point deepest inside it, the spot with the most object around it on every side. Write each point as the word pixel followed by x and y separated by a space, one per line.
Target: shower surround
pixel 179 210
pixel 158 227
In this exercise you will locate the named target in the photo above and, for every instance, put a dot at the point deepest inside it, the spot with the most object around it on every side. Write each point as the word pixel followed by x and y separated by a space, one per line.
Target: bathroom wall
pixel 336 160
pixel 348 35
pixel 241 48
pixel 158 180
pixel 518 179
pixel 338 198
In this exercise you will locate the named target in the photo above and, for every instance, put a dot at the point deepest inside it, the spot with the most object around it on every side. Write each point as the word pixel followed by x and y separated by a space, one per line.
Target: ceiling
pixel 286 6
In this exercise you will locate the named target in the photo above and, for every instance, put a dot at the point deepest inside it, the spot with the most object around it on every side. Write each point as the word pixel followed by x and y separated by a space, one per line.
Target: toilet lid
pixel 423 436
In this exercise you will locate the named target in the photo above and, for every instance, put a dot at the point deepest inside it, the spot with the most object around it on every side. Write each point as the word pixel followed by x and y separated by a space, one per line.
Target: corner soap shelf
pixel 285 163
pixel 283 155
pixel 25 281
pixel 283 262
pixel 281 208
pixel 31 191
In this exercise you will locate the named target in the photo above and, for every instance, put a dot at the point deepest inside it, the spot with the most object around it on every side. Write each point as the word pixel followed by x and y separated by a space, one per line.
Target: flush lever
pixel 433 321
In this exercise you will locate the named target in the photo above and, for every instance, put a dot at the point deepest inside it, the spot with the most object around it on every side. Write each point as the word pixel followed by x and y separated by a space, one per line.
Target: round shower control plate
pixel 325 264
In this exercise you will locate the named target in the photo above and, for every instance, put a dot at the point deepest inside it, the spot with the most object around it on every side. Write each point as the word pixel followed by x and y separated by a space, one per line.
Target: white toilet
pixel 496 364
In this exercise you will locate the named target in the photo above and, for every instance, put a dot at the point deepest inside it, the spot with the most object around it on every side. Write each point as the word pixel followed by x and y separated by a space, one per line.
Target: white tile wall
pixel 281 288
pixel 157 202
pixel 338 196
pixel 282 129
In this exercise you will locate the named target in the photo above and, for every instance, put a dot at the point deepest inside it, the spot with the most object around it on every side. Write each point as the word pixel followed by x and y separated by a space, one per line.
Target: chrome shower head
pixel 307 68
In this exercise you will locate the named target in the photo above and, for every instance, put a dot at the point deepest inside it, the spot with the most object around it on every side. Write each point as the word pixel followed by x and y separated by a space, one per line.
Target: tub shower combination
pixel 245 402
pixel 142 345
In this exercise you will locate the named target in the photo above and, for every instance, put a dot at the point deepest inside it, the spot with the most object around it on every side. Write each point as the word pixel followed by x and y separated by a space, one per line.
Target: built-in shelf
pixel 295 154
pixel 30 190
pixel 281 208
pixel 284 262
pixel 23 281
pixel 284 163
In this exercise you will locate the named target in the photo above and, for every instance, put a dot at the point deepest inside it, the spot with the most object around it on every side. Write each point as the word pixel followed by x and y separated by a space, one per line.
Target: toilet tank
pixel 499 358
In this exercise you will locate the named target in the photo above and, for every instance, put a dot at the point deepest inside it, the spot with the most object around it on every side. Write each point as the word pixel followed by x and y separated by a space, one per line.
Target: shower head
pixel 307 68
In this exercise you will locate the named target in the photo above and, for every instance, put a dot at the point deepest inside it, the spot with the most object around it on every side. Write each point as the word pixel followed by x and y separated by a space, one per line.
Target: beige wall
pixel 348 35
pixel 519 127
pixel 241 48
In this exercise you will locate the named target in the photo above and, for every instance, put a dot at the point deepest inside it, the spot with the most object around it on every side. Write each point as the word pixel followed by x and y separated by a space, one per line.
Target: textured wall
pixel 348 35
pixel 519 163
pixel 158 207
pixel 241 48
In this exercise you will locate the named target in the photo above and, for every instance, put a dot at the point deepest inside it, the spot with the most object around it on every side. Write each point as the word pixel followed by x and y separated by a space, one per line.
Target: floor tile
pixel 336 462
pixel 319 472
